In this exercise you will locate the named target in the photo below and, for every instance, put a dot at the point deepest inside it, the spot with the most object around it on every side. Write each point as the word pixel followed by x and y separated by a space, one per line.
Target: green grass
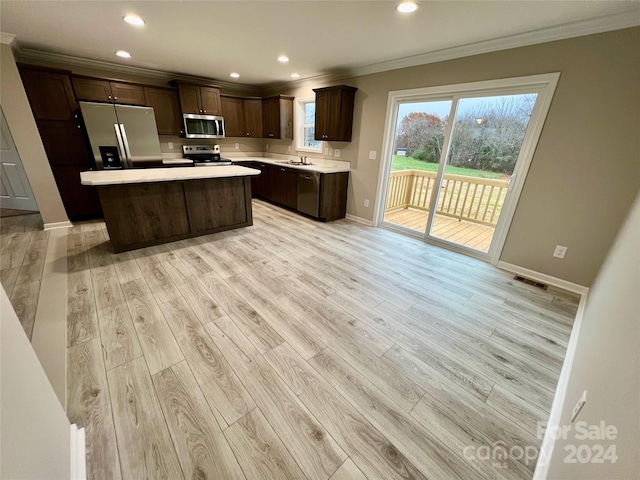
pixel 410 163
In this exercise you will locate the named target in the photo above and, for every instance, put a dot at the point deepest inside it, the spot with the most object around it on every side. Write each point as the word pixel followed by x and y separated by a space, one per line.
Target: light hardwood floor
pixel 300 350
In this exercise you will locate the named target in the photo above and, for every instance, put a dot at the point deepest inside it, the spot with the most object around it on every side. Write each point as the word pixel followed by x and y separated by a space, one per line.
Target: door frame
pixel 544 85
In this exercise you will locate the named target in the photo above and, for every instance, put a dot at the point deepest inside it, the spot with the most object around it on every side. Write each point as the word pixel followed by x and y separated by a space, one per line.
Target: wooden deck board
pixel 459 231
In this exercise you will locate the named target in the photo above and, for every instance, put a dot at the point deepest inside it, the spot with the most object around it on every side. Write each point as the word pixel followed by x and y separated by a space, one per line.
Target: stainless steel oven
pixel 203 126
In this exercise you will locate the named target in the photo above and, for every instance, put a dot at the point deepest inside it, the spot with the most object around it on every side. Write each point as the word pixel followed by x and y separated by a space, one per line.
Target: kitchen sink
pixel 293 162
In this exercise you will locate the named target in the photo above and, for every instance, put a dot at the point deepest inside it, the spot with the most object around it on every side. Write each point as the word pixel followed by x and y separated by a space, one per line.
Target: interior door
pixel 15 191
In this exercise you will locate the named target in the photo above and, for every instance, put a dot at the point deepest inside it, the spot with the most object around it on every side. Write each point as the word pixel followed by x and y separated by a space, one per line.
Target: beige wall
pixel 607 365
pixel 17 111
pixel 34 430
pixel 585 171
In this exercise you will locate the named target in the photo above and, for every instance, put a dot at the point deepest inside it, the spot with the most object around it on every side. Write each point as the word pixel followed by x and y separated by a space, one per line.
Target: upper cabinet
pixel 199 100
pixel 100 90
pixel 49 93
pixel 242 116
pixel 334 113
pixel 166 107
pixel 277 117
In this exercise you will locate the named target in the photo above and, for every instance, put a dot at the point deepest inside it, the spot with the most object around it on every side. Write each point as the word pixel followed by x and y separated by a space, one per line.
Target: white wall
pixel 34 430
pixel 607 365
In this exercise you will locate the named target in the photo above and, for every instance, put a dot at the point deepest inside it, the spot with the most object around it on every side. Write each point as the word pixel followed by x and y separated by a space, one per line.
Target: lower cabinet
pixel 144 214
pixel 279 185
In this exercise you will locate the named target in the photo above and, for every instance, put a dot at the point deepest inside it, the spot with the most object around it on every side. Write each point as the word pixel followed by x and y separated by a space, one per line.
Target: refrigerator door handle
pixel 126 146
pixel 123 152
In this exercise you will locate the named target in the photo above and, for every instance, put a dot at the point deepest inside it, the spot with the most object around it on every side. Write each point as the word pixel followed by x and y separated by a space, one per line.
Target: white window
pixel 306 126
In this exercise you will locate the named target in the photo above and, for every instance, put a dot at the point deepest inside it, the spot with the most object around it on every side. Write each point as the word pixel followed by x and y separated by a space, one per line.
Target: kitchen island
pixel 144 207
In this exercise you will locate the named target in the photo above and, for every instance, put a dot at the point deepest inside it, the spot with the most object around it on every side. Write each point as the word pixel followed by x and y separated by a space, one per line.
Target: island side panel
pixel 144 213
pixel 218 203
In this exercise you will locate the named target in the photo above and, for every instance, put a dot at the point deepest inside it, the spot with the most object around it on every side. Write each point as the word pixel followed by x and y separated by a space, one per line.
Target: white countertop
pixel 147 175
pixel 285 163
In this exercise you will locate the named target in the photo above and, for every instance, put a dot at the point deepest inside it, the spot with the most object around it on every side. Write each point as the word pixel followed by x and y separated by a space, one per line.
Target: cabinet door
pixel 166 106
pixel 263 181
pixel 285 117
pixel 189 98
pixel 333 115
pixel 127 93
pixel 92 89
pixel 253 117
pixel 233 113
pixel 322 107
pixel 50 94
pixel 291 186
pixel 270 118
pixel 279 185
pixel 210 100
pixel 80 201
pixel 64 143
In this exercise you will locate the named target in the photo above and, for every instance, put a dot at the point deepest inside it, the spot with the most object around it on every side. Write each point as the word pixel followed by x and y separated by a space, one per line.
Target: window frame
pixel 300 126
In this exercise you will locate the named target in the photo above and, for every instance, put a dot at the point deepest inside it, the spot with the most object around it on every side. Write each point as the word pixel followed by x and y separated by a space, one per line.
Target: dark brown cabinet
pixel 50 94
pixel 54 108
pixel 166 106
pixel 101 90
pixel 334 113
pixel 242 116
pixel 277 117
pixel 199 100
pixel 253 117
pixel 284 186
pixel 233 113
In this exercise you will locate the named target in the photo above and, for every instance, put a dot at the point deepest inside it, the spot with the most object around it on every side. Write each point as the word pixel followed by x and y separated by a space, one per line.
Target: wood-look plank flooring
pixel 459 231
pixel 23 247
pixel 295 349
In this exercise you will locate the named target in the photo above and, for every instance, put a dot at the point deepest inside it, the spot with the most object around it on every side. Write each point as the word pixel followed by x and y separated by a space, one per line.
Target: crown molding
pixel 544 35
pixel 67 61
pixel 6 38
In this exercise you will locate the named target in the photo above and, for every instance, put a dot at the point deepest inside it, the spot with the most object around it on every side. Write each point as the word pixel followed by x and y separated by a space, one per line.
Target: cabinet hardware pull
pixel 115 98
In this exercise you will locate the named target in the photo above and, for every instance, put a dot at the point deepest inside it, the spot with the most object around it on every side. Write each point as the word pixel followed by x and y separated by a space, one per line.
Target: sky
pixel 442 108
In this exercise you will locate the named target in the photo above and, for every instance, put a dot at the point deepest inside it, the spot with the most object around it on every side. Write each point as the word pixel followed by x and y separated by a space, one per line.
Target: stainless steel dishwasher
pixel 309 193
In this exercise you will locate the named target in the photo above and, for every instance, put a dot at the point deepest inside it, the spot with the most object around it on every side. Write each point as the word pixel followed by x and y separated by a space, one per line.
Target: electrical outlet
pixel 326 151
pixel 289 148
pixel 366 202
pixel 170 145
pixel 237 146
pixel 336 153
pixel 579 405
pixel 267 146
pixel 372 155
pixel 560 251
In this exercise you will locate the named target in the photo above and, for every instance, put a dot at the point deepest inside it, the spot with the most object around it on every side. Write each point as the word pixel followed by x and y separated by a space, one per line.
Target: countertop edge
pixel 153 175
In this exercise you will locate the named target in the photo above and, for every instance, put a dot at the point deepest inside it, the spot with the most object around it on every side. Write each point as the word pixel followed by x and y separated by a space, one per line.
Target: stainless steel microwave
pixel 203 126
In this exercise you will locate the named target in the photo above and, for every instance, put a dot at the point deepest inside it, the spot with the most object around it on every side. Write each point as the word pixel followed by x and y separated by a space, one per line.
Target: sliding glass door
pixel 453 160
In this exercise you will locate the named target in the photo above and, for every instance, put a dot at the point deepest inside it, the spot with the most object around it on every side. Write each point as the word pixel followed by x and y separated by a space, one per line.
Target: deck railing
pixel 476 200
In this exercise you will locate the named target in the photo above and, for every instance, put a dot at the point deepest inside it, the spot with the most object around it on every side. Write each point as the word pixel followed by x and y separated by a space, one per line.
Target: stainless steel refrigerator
pixel 122 136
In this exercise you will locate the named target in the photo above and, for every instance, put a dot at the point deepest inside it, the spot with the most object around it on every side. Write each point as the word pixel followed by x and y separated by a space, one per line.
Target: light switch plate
pixel 336 153
pixel 372 155
pixel 579 405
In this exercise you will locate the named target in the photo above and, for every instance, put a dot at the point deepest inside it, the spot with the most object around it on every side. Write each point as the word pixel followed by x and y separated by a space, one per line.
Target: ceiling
pixel 211 39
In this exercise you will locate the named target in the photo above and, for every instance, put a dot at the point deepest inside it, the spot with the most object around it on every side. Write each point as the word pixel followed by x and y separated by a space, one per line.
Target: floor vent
pixel 528 281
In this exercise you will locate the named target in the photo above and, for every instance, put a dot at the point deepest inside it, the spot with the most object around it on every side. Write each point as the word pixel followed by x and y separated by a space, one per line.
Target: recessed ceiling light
pixel 234 75
pixel 283 58
pixel 407 7
pixel 134 20
pixel 295 75
pixel 123 54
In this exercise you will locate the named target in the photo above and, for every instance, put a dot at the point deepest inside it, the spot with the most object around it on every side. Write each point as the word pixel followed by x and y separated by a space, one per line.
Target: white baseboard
pixel 54 225
pixel 543 278
pixel 360 220
pixel 548 442
pixel 78 453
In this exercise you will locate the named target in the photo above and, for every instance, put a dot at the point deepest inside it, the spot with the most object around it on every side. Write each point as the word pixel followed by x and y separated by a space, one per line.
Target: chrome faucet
pixel 303 160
